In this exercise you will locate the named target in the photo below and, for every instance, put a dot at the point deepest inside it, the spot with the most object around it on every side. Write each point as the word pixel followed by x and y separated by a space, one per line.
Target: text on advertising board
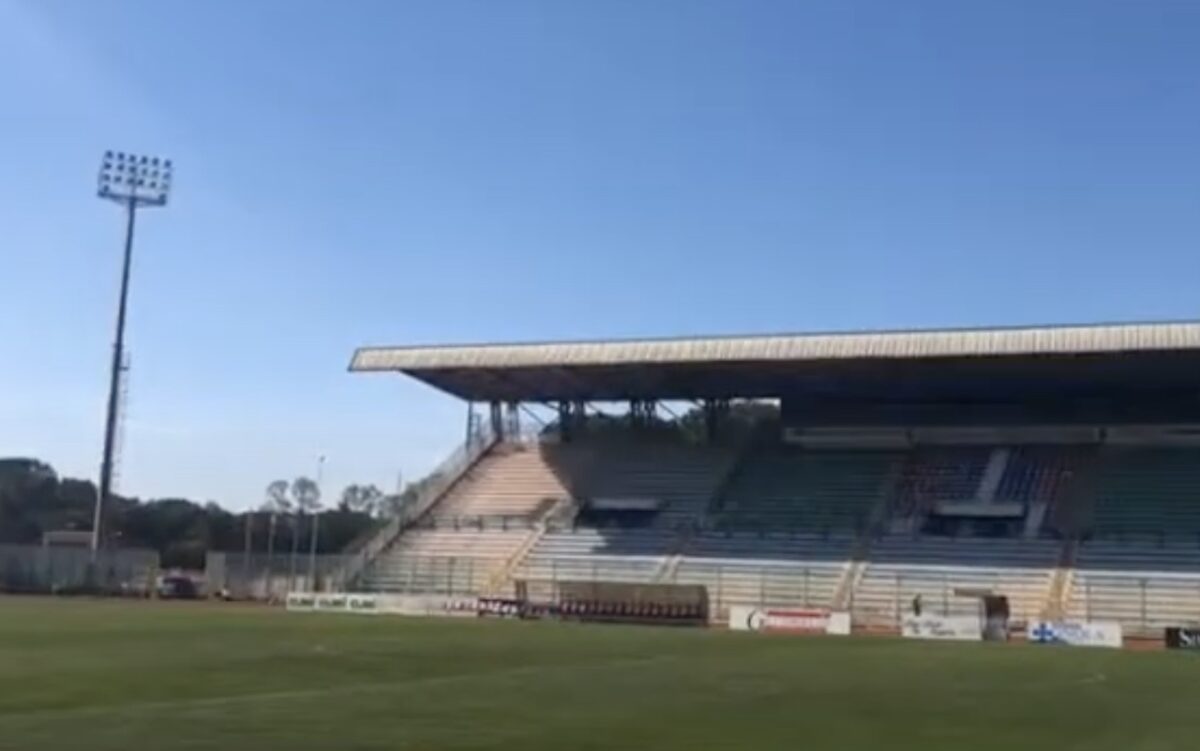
pixel 788 620
pixel 1183 638
pixel 948 627
pixel 1091 634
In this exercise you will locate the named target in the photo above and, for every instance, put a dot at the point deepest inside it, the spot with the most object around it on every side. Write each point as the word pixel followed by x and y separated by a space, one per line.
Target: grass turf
pixel 172 676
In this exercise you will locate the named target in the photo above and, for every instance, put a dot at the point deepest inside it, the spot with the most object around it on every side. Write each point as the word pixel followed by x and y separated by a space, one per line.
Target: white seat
pixel 900 568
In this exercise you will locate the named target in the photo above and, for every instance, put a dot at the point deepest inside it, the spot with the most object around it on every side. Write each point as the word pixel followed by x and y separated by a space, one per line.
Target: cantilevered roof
pixel 763 365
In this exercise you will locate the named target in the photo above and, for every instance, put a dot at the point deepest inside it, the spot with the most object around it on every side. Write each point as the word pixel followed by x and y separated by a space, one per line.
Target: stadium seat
pixel 934 475
pixel 1148 491
pixel 513 481
pixel 777 568
pixel 633 555
pixel 683 477
pixel 1145 585
pixel 902 567
pixel 789 488
pixel 444 561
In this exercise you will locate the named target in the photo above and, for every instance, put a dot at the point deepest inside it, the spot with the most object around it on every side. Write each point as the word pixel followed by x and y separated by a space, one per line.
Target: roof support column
pixel 565 431
pixel 715 413
pixel 642 412
pixel 512 419
pixel 473 427
pixel 496 417
pixel 572 417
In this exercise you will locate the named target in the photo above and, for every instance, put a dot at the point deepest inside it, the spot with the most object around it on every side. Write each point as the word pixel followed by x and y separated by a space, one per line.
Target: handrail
pixel 435 486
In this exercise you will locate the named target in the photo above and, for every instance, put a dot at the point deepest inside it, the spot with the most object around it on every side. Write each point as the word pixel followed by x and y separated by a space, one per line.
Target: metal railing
pixel 726 585
pixel 733 585
pixel 479 522
pixel 945 595
pixel 1143 605
pixel 447 575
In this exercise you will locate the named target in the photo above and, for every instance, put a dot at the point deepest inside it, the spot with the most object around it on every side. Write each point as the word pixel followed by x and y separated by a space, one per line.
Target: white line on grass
pixel 350 688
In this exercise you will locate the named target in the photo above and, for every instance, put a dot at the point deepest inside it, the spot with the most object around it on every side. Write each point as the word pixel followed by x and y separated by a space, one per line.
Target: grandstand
pixel 1057 467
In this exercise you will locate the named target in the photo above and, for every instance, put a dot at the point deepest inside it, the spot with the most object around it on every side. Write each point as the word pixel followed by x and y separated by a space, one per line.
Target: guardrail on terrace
pixel 439 481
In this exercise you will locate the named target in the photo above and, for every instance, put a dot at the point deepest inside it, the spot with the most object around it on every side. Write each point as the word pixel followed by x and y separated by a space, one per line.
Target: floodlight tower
pixel 134 181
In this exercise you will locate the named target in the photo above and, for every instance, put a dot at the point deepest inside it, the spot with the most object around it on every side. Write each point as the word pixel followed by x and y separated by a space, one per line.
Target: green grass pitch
pixel 171 676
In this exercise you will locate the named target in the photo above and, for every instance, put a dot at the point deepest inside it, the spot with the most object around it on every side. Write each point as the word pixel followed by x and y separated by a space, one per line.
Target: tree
pixel 277 503
pixel 363 499
pixel 394 505
pixel 306 494
pixel 277 498
pixel 34 500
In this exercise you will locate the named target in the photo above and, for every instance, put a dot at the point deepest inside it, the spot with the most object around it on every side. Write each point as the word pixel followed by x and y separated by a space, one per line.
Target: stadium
pixel 1020 474
pixel 1029 486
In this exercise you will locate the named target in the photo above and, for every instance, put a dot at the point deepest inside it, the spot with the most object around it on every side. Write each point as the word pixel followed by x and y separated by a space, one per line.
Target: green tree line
pixel 35 500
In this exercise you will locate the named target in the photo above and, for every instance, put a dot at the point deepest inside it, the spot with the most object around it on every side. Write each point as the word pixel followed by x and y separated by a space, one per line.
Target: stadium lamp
pixel 134 181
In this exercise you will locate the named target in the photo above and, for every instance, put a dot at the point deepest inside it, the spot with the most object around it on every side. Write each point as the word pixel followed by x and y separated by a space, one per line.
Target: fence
pixel 889 598
pixel 259 576
pixel 734 585
pixel 1144 605
pixel 725 585
pixel 444 575
pixel 37 569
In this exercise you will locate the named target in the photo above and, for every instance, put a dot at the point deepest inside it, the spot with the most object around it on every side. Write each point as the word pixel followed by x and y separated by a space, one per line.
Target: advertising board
pixel 1183 638
pixel 332 602
pixel 788 620
pixel 371 604
pixel 1075 634
pixel 945 627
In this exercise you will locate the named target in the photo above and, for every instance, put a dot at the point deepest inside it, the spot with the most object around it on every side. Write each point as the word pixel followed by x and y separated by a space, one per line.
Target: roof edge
pixel 887 344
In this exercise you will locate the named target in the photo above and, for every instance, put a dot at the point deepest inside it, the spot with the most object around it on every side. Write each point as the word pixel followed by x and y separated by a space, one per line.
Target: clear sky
pixel 402 172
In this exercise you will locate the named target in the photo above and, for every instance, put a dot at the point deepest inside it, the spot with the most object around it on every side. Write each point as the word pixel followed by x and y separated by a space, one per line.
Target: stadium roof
pixel 773 365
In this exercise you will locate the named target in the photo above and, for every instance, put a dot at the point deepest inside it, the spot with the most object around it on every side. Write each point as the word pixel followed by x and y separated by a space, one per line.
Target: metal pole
pixel 896 601
pixel 246 553
pixel 295 519
pixel 316 524
pixel 1143 582
pixel 114 386
pixel 270 590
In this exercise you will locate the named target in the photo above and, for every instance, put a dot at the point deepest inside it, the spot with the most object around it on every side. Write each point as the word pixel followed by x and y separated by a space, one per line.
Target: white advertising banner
pixel 382 604
pixel 948 627
pixel 332 602
pixel 427 605
pixel 839 624
pixel 1090 634
pixel 788 620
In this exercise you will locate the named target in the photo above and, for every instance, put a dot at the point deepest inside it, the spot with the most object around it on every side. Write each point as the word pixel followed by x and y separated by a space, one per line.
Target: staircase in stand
pixel 440 482
pixel 501 582
pixel 666 572
pixel 1059 596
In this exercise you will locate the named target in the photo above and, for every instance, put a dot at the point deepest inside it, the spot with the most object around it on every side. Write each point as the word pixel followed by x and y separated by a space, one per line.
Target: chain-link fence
pixel 62 570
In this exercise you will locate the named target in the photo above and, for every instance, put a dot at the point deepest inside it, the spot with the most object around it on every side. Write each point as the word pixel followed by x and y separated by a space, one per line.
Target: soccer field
pixel 121 675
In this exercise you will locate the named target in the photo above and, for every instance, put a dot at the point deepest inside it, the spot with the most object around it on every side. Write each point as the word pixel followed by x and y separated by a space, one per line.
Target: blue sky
pixel 402 172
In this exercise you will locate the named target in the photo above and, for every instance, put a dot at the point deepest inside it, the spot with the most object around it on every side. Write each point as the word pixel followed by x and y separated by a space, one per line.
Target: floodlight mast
pixel 133 181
